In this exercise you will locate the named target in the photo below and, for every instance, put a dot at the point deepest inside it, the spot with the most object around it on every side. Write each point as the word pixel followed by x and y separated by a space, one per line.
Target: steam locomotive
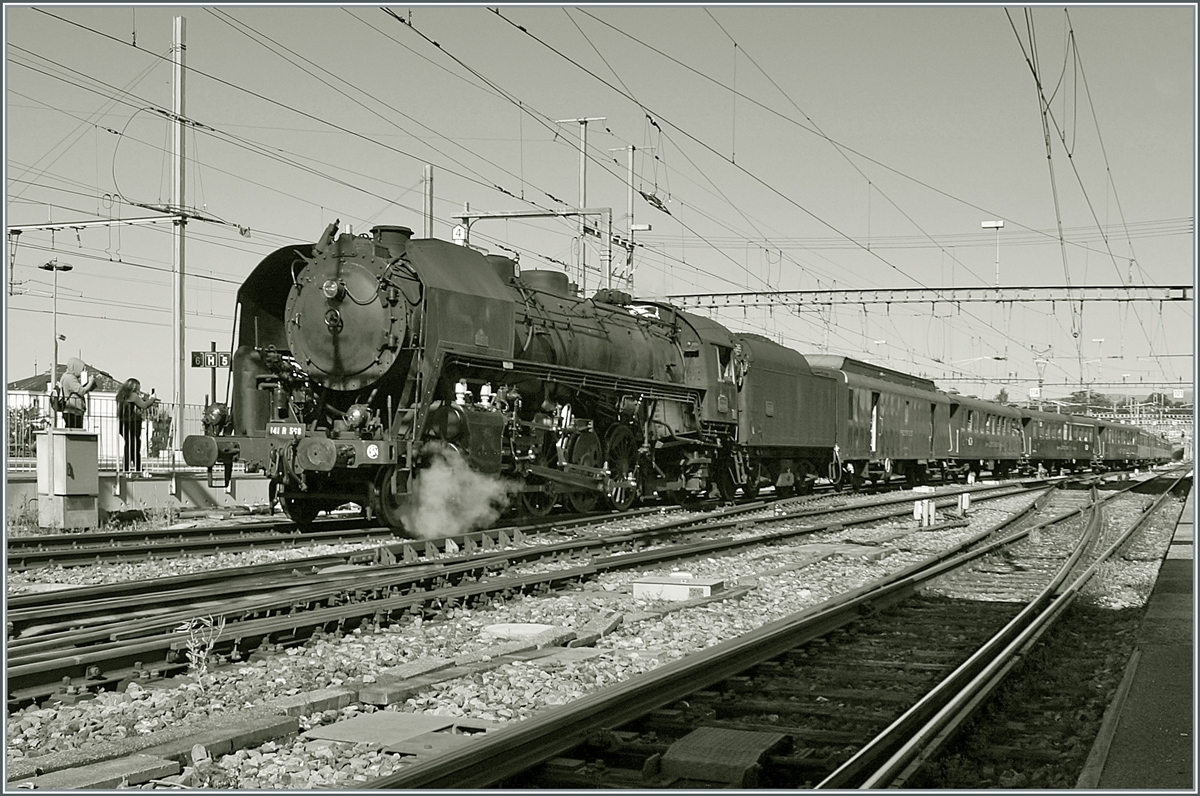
pixel 361 361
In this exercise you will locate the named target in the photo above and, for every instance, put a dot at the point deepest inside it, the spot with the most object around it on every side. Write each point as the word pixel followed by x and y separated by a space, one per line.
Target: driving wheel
pixel 620 451
pixel 299 510
pixel 390 496
pixel 585 451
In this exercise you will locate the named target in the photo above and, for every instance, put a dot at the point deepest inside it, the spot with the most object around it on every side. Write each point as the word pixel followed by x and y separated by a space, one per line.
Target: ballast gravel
pixel 783 579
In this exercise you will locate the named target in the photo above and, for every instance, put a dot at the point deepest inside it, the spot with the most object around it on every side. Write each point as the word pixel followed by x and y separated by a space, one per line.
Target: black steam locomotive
pixel 363 361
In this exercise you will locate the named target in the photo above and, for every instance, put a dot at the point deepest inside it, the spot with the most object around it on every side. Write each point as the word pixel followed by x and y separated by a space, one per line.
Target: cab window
pixel 725 364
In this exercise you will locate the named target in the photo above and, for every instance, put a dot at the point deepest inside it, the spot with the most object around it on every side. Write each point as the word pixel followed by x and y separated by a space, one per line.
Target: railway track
pixel 887 674
pixel 74 642
pixel 104 546
pixel 113 546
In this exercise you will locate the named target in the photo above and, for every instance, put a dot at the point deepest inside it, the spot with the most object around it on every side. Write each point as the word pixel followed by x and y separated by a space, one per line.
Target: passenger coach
pixel 1058 442
pixel 888 422
pixel 983 436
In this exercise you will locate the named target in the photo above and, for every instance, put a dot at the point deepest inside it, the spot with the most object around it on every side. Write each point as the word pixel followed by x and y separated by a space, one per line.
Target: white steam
pixel 449 498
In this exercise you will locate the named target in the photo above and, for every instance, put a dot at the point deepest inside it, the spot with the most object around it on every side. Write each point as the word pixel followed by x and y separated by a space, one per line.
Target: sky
pixel 775 148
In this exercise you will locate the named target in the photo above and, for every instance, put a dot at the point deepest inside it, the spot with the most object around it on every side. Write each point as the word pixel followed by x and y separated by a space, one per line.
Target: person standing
pixel 131 402
pixel 75 386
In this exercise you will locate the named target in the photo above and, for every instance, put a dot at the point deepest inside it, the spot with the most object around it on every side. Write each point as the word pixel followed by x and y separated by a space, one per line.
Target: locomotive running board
pixel 573 378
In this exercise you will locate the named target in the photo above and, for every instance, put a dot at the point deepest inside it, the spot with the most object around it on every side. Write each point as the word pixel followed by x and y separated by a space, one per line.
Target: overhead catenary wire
pixel 1048 121
pixel 708 147
pixel 295 110
pixel 709 240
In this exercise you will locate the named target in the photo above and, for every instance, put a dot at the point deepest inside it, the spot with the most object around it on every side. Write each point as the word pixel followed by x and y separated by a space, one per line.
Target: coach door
pixel 874 422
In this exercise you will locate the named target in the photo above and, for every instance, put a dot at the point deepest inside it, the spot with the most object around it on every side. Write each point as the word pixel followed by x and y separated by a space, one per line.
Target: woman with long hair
pixel 131 402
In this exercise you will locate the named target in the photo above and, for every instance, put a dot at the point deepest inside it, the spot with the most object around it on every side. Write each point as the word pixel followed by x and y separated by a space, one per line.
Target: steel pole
pixel 213 347
pixel 54 313
pixel 428 200
pixel 582 204
pixel 997 256
pixel 179 331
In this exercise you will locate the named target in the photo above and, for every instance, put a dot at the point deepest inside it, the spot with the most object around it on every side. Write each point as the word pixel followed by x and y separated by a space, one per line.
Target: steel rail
pixel 148 551
pixel 54 633
pixel 503 753
pixel 116 538
pixel 34 666
pixel 30 680
pixel 924 742
pixel 65 550
pixel 853 771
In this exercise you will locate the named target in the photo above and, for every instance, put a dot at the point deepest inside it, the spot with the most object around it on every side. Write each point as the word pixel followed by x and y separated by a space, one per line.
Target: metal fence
pixel 29 413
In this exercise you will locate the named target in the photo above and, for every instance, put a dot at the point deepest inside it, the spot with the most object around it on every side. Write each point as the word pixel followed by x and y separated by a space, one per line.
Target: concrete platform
pixel 1150 742
pixel 159 491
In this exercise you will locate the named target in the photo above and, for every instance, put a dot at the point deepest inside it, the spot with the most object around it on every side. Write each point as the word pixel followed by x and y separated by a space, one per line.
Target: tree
pixel 1087 399
pixel 1002 396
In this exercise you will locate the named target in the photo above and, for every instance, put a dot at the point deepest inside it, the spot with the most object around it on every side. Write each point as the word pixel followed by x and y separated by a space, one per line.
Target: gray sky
pixel 794 147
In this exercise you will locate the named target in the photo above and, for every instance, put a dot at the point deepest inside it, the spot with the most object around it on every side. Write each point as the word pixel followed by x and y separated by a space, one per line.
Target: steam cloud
pixel 450 498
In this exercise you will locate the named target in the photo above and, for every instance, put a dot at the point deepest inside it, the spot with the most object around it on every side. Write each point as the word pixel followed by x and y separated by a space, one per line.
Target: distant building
pixel 105 380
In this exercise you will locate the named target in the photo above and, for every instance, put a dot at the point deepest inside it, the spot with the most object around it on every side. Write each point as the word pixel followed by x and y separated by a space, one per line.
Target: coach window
pixel 970 420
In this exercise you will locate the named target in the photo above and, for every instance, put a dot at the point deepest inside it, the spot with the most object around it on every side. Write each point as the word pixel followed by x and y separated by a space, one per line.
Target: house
pixel 105 380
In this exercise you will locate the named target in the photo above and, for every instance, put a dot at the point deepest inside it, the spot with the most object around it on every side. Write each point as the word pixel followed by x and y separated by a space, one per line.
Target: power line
pixel 715 152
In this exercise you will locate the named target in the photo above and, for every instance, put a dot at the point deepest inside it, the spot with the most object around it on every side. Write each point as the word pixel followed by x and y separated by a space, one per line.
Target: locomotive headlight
pixel 332 289
pixel 357 416
pixel 216 415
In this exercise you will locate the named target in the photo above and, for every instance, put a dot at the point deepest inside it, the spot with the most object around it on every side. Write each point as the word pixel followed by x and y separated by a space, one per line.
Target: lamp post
pixel 996 225
pixel 54 266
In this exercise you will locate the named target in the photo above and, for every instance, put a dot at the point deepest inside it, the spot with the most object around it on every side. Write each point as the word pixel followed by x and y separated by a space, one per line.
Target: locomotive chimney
pixel 394 239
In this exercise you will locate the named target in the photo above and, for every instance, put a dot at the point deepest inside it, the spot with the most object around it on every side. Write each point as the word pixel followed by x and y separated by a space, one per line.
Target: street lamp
pixel 54 266
pixel 996 225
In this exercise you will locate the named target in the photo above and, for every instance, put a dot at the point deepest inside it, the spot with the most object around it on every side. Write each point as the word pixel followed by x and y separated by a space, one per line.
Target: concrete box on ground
pixel 68 511
pixel 67 462
pixel 68 478
pixel 676 587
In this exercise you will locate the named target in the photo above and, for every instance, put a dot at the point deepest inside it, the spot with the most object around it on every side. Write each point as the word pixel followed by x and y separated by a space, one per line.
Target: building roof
pixel 37 383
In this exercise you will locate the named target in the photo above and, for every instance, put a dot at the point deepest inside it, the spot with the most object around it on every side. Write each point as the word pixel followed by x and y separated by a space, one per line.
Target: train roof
pixel 1059 417
pixel 986 406
pixel 707 329
pixel 858 367
pixel 763 352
